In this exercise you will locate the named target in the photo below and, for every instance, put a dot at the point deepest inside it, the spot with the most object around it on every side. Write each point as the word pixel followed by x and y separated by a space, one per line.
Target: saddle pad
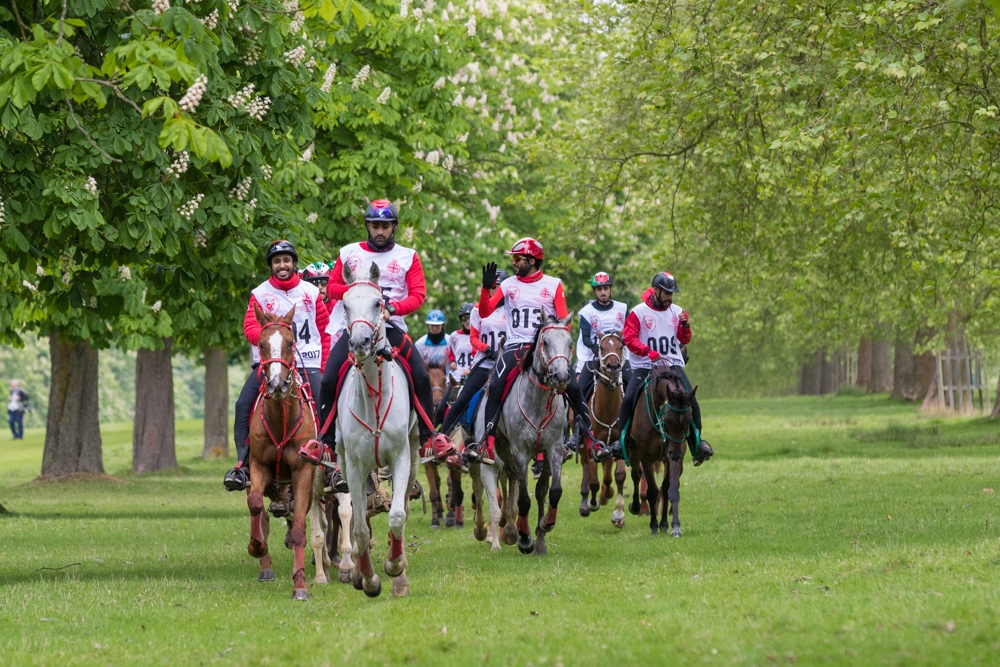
pixel 468 418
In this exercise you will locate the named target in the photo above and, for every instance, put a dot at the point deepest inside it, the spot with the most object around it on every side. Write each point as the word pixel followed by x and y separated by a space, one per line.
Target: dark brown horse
pixel 604 405
pixel 455 517
pixel 660 424
pixel 279 425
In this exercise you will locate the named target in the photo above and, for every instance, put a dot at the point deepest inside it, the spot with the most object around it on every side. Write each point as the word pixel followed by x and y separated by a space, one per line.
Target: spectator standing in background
pixel 17 405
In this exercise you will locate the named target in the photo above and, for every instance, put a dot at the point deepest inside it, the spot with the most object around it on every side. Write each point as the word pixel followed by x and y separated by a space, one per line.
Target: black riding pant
pixel 337 359
pixel 506 363
pixel 244 406
pixel 637 383
pixel 474 381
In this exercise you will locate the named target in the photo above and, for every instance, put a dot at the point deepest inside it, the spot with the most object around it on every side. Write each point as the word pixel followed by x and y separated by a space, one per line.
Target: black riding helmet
pixel 666 282
pixel 466 309
pixel 281 247
pixel 501 276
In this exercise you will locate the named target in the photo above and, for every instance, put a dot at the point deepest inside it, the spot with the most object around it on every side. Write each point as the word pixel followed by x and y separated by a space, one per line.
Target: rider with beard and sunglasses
pixel 655 331
pixel 600 316
pixel 525 296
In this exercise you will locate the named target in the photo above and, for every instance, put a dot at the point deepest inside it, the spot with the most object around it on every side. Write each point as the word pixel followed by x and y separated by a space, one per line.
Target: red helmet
pixel 528 246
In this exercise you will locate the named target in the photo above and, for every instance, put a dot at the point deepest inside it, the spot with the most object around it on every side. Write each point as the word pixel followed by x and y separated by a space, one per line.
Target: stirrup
pixel 706 453
pixel 312 452
pixel 236 479
pixel 603 452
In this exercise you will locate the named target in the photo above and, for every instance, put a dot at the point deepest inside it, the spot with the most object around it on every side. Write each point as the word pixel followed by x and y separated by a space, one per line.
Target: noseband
pixel 541 351
pixel 376 328
pixel 603 372
pixel 275 360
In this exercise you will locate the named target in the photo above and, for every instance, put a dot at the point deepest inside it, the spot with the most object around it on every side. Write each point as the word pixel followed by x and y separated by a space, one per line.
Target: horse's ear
pixel 289 316
pixel 374 273
pixel 348 274
pixel 566 321
pixel 259 315
pixel 691 395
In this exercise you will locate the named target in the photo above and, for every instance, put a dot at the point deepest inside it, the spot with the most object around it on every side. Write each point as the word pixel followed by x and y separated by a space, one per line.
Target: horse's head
pixel 363 313
pixel 553 351
pixel 277 351
pixel 673 403
pixel 439 382
pixel 612 353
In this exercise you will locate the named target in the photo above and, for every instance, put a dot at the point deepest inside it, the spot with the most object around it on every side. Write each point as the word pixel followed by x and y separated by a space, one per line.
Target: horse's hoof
pixel 676 532
pixel 545 527
pixel 449 520
pixel 321 579
pixel 584 509
pixel 618 519
pixel 300 594
pixel 525 544
pixel 394 570
pixel 594 506
pixel 633 509
pixel 400 587
pixel 257 549
pixel 540 549
pixel 459 525
pixel 357 581
pixel 654 532
pixel 480 532
pixel 373 587
pixel 344 576
pixel 267 574
pixel 509 535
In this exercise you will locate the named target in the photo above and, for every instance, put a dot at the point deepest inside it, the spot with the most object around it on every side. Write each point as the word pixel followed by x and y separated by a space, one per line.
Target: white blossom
pixel 458 101
pixel 331 72
pixel 93 302
pixel 444 16
pixel 295 56
pixel 212 20
pixel 417 187
pixel 192 98
pixel 91 185
pixel 311 64
pixel 384 97
pixel 124 272
pixel 188 209
pixel 258 108
pixel 29 285
pixel 439 84
pixel 200 239
pixel 307 154
pixel 312 218
pixel 233 6
pixel 180 164
pixel 448 163
pixel 404 8
pixel 361 77
pixel 39 270
pixel 296 25
pixel 266 171
pixel 250 208
pixel 242 189
pixel 493 211
pixel 462 138
pixel 2 215
pixel 319 180
pixel 418 14
pixel 291 6
pixel 252 55
pixel 470 26
pixel 157 306
pixel 503 148
pixel 433 157
pixel 160 6
pixel 498 34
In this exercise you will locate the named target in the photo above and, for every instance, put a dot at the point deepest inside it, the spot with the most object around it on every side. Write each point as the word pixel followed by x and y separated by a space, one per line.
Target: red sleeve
pixel 488 304
pixel 251 327
pixel 336 287
pixel 560 303
pixel 684 332
pixel 415 287
pixel 631 336
pixel 451 353
pixel 477 345
pixel 322 320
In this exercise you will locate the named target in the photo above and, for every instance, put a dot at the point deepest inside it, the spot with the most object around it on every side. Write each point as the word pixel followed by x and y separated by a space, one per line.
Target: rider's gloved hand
pixel 489 275
pixel 653 355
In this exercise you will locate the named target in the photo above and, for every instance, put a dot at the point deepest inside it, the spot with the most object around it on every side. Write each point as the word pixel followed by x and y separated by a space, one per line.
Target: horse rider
pixel 485 336
pixel 433 346
pixel 460 350
pixel 664 327
pixel 600 316
pixel 401 279
pixel 317 273
pixel 525 296
pixel 276 296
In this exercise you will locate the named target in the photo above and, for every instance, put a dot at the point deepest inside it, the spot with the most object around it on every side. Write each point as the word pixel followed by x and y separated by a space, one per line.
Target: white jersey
pixel 304 297
pixel 393 265
pixel 601 321
pixel 658 330
pixel 337 325
pixel 491 331
pixel 524 303
pixel 434 355
pixel 460 347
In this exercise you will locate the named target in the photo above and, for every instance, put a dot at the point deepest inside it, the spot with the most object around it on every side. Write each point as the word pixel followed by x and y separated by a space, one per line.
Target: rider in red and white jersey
pixel 401 278
pixel 601 316
pixel 460 350
pixel 276 296
pixel 525 297
pixel 655 330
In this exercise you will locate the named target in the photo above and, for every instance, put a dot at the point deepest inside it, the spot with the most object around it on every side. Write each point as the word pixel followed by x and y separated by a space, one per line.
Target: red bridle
pixel 374 327
pixel 286 434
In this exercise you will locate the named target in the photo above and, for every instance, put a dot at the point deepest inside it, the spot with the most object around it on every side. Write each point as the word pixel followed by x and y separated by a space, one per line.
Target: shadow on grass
pixel 168 515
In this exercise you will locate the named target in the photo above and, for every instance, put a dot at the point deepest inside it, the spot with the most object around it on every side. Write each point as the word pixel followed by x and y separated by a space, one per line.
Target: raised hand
pixel 489 275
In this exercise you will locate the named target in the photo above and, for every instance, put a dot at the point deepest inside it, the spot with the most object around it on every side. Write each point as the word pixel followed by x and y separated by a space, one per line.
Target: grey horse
pixel 533 418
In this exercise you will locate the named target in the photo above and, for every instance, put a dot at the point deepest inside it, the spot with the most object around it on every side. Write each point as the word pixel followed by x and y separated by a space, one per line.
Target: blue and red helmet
pixel 381 209
pixel 601 279
pixel 666 282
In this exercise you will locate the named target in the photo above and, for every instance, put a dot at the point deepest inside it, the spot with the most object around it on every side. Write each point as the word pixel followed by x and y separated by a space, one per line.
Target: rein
pixel 602 366
pixel 550 412
pixel 376 395
pixel 657 421
pixel 286 434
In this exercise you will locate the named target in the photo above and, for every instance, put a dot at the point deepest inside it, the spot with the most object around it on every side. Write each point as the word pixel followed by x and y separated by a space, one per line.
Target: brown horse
pixel 660 424
pixel 279 425
pixel 604 405
pixel 439 388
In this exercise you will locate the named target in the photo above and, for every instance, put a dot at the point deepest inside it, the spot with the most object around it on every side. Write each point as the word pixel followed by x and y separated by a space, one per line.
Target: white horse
pixel 533 418
pixel 375 428
pixel 319 527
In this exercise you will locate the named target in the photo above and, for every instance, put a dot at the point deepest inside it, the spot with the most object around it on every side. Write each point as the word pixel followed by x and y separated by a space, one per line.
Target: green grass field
pixel 845 530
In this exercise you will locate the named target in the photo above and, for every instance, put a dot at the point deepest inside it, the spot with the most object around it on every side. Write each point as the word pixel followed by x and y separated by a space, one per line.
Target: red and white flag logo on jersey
pixel 354 262
pixel 545 293
pixel 270 303
pixel 513 293
pixel 307 303
pixel 618 317
pixel 648 322
pixel 595 324
pixel 393 267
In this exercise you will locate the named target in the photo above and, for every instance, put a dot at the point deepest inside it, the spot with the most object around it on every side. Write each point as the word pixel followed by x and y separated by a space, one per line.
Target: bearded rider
pixel 401 279
pixel 655 330
pixel 530 291
pixel 276 296
pixel 485 337
pixel 600 316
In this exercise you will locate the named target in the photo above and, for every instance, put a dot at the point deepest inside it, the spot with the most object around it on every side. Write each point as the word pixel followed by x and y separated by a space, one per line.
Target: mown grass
pixel 845 530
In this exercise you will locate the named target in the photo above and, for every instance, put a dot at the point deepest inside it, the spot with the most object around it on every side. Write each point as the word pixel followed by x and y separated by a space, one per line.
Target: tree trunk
pixel 216 403
pixel 904 380
pixel 811 374
pixel 153 432
pixel 830 380
pixel 72 431
pixel 995 412
pixel 882 374
pixel 865 350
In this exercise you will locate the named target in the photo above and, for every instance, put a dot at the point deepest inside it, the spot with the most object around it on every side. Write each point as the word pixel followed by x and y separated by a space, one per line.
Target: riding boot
pixel 237 478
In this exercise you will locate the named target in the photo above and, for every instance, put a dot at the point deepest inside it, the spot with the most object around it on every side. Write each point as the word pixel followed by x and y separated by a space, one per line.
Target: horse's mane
pixel 663 372
pixel 530 352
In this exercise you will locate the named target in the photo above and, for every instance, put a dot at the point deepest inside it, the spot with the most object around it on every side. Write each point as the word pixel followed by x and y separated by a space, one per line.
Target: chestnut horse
pixel 280 423
pixel 660 424
pixel 604 405
pixel 440 387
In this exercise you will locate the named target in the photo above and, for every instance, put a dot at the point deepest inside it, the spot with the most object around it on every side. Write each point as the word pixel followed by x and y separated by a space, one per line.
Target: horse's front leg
pixel 584 483
pixel 606 491
pixel 555 491
pixel 489 475
pixel 618 516
pixel 635 472
pixel 652 493
pixel 456 498
pixel 434 482
pixel 541 489
pixel 318 527
pixel 302 483
pixel 363 576
pixel 674 495
pixel 524 541
pixel 478 498
pixel 344 512
pixel 395 563
pixel 260 477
